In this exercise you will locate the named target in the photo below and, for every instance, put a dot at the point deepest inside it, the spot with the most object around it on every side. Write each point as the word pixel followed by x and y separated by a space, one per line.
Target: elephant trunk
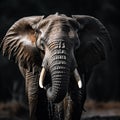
pixel 60 72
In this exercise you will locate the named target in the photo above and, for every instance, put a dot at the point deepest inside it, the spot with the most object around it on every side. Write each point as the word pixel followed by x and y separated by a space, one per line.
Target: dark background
pixel 105 81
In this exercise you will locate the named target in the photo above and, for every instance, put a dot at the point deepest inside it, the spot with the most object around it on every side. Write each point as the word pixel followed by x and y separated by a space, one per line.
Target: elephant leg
pixel 78 97
pixel 32 92
pixel 63 110
pixel 68 104
pixel 78 103
pixel 59 111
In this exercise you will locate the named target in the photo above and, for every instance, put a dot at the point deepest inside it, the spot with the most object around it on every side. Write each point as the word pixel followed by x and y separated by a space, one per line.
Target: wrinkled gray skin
pixel 59 44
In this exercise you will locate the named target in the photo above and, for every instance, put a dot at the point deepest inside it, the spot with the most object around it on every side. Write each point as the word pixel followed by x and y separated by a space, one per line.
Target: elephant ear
pixel 19 43
pixel 95 42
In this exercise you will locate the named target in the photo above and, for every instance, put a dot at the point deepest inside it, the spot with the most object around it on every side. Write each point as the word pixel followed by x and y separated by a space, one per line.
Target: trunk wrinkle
pixel 59 66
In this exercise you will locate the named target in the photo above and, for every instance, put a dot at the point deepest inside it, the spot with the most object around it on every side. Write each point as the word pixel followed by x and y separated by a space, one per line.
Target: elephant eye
pixel 42 44
pixel 66 28
pixel 77 44
pixel 37 33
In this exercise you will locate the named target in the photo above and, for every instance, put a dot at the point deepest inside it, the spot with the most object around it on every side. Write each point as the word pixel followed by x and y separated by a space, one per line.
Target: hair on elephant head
pixel 59 45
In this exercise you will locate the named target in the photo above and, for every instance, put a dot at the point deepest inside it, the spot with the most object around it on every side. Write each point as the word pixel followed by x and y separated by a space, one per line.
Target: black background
pixel 105 81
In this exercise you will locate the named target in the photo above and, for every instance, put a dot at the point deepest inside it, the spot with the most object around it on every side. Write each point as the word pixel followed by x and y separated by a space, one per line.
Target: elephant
pixel 56 55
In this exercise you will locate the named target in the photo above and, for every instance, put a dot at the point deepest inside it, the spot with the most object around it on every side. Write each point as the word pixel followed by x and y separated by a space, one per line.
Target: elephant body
pixel 56 55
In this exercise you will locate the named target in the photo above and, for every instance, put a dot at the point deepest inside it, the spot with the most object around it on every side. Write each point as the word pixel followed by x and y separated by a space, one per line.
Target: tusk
pixel 78 78
pixel 42 76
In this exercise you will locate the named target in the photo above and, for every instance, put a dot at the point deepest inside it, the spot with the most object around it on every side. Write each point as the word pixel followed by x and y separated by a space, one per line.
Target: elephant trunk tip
pixel 56 96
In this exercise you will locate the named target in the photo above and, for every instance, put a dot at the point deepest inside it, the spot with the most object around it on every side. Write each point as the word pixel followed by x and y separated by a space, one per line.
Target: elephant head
pixel 59 45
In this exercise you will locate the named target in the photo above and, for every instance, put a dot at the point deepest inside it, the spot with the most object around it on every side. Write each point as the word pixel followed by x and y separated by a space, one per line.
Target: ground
pixel 94 111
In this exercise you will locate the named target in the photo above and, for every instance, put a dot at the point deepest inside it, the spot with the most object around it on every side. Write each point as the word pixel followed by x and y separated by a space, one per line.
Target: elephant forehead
pixel 55 20
pixel 56 26
pixel 57 16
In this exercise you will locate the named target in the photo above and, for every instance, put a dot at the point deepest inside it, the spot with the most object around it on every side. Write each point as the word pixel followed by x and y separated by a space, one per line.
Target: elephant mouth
pixel 44 83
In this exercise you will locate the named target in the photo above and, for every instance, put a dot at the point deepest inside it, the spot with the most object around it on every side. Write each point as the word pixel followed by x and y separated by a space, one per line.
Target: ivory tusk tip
pixel 40 84
pixel 77 77
pixel 79 84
